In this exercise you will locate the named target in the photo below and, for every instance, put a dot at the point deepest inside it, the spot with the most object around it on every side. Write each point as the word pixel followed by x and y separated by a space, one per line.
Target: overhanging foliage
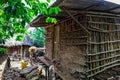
pixel 15 14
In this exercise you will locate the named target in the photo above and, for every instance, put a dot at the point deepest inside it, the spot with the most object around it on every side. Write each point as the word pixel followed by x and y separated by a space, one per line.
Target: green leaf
pixel 48 20
pixel 57 10
pixel 54 20
pixel 1 12
pixel 51 20
pixel 48 1
pixel 2 50
pixel 19 37
pixel 50 11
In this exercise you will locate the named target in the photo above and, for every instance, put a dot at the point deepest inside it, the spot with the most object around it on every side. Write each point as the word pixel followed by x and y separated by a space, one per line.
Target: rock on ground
pixel 12 74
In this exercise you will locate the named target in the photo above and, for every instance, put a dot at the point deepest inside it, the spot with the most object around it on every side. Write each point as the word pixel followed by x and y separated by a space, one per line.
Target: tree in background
pixel 15 14
pixel 38 37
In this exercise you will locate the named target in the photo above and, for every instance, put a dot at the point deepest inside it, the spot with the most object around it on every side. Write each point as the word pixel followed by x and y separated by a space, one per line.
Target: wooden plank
pixel 103 16
pixel 104 52
pixel 104 31
pixel 75 37
pixel 45 60
pixel 104 58
pixel 105 42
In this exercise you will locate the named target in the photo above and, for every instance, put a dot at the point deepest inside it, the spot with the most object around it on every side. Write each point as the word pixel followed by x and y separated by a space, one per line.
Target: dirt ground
pixel 13 72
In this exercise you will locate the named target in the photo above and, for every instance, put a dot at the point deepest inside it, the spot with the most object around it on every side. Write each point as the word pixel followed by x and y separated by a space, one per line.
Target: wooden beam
pixel 45 60
pixel 76 20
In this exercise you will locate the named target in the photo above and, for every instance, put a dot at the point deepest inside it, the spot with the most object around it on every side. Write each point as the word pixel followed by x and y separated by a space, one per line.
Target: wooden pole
pixel 21 52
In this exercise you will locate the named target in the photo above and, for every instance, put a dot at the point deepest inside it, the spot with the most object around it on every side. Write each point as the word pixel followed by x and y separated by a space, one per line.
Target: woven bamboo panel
pixel 83 54
pixel 103 44
pixel 102 47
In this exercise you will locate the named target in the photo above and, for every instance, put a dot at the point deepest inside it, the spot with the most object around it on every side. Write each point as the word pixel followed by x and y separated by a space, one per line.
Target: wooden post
pixel 53 40
pixel 21 52
pixel 47 72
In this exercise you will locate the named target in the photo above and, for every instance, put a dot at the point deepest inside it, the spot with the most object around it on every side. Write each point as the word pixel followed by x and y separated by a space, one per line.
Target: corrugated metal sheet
pixel 91 5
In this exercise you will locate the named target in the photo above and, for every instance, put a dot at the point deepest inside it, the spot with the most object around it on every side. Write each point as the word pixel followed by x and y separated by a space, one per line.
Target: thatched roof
pixel 12 42
pixel 79 5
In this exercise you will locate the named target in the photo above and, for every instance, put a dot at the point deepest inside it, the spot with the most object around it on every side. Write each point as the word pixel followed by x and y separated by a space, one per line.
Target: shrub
pixel 2 50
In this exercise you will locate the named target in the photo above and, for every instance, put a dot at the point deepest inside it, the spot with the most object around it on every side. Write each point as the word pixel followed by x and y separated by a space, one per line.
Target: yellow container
pixel 23 65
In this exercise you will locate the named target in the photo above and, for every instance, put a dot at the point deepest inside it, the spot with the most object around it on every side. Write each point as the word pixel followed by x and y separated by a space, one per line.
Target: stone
pixel 28 70
pixel 12 74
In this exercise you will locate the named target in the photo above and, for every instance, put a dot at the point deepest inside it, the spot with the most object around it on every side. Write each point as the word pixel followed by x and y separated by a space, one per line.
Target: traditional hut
pixel 18 47
pixel 85 43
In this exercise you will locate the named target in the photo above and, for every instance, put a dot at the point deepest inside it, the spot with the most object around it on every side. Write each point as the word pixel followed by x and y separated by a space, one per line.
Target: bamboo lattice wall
pixel 104 43
pixel 81 53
